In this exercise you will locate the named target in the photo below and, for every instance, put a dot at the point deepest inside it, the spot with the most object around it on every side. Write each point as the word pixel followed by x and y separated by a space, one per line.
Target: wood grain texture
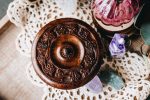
pixel 14 84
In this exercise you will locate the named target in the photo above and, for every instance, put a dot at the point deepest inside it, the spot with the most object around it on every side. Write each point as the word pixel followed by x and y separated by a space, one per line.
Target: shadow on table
pixel 2 97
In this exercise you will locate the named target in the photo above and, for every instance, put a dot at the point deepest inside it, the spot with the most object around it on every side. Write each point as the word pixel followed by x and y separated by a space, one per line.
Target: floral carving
pixel 53 66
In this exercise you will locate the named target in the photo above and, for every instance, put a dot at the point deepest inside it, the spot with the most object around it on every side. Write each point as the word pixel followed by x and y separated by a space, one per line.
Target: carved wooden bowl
pixel 67 53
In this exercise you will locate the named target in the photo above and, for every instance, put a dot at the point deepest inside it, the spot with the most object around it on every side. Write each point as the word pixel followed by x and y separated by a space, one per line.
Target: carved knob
pixel 67 53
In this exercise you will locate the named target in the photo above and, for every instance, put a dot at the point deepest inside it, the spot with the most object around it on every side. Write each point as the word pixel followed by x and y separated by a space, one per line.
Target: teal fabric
pixel 3 7
pixel 148 98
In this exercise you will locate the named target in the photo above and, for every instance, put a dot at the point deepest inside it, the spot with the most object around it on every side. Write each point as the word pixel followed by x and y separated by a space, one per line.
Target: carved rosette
pixel 67 53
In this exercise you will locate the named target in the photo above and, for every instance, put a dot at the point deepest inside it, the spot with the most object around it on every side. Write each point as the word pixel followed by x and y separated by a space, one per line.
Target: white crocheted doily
pixel 32 16
pixel 133 68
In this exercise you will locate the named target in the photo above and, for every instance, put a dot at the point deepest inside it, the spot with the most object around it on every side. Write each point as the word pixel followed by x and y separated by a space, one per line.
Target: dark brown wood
pixel 67 53
pixel 5 27
pixel 4 24
pixel 145 49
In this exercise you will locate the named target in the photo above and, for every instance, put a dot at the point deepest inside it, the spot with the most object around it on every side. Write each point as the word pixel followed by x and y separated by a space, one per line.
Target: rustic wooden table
pixel 14 84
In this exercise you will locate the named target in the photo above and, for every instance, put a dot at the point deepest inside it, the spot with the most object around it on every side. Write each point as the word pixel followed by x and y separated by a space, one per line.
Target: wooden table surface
pixel 14 84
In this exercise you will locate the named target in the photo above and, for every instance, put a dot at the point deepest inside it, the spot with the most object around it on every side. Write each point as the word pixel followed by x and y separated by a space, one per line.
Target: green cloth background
pixel 3 7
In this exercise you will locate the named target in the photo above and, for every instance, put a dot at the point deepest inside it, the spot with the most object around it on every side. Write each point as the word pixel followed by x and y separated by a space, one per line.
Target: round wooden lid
pixel 67 53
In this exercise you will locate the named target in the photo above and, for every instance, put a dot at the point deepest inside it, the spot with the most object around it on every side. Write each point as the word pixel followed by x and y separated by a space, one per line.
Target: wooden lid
pixel 67 53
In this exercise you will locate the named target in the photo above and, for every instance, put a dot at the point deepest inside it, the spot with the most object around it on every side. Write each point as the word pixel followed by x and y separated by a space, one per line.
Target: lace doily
pixel 31 16
pixel 133 69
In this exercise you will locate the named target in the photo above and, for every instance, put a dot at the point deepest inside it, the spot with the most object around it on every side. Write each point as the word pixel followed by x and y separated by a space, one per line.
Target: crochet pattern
pixel 133 69
pixel 32 16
